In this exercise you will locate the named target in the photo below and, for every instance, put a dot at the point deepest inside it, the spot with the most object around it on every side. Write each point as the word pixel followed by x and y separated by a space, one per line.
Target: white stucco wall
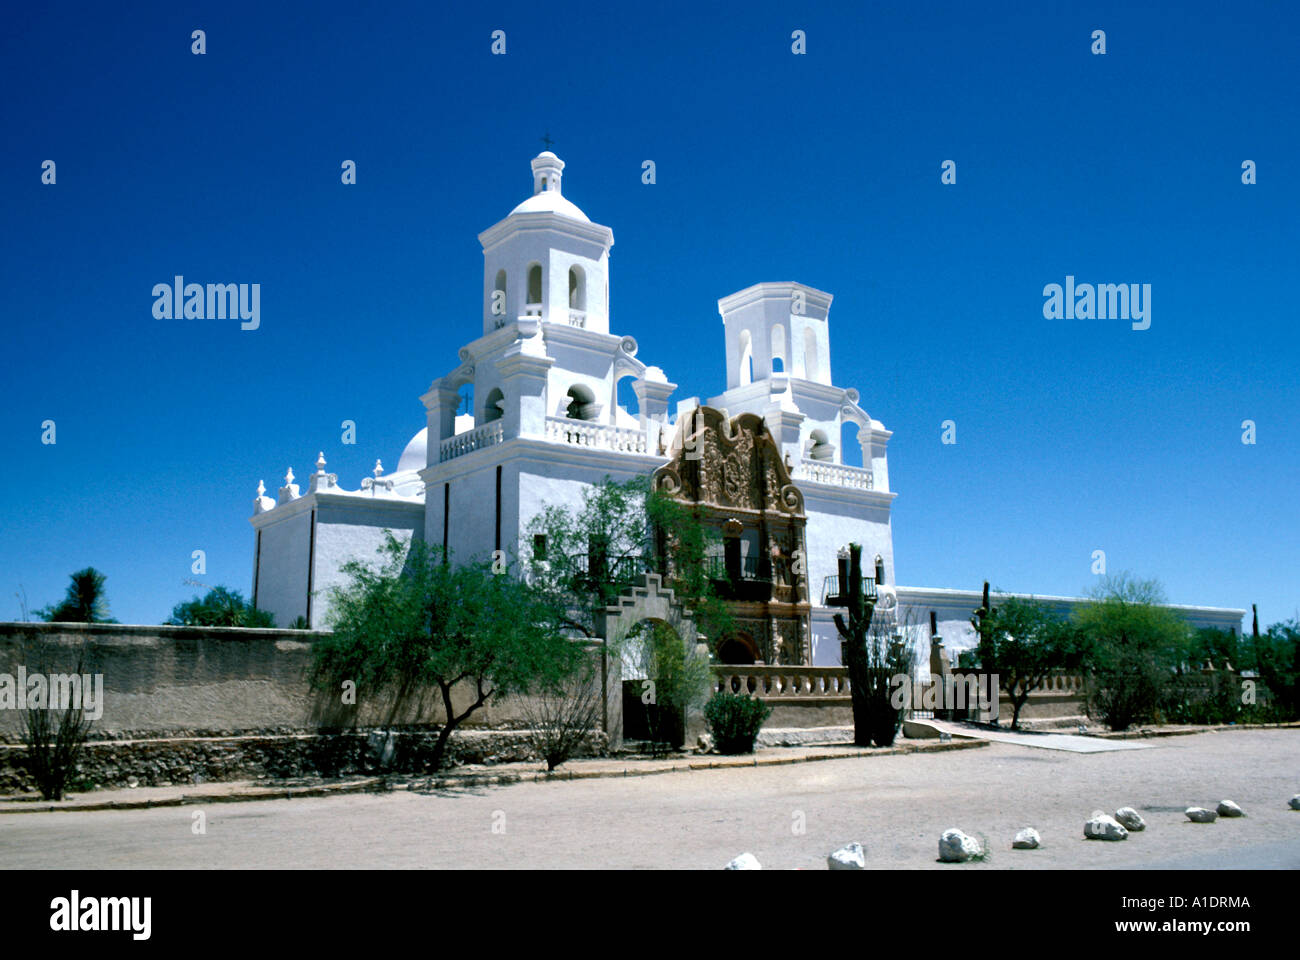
pixel 561 480
pixel 836 519
pixel 281 587
pixel 354 531
pixel 954 608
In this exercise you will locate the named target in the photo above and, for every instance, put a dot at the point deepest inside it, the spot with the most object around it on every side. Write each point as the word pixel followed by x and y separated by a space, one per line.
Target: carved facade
pixel 731 469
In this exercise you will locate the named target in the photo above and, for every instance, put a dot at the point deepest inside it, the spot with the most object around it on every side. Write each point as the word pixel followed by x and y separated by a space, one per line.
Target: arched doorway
pixel 738 649
pixel 643 614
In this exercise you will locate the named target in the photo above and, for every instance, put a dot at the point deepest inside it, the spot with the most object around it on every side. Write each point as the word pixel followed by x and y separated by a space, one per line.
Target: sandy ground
pixel 896 806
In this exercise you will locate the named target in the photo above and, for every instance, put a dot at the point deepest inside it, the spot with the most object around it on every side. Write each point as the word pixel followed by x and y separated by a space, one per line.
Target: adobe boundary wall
pixel 164 681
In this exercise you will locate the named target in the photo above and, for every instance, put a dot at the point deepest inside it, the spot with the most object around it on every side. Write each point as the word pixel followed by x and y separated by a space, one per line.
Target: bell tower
pixel 775 330
pixel 546 260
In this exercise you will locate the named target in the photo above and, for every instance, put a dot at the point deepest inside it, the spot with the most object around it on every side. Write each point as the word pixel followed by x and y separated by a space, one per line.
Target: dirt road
pixel 787 816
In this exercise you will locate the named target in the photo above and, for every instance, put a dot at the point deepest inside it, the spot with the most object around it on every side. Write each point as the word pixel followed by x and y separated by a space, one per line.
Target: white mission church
pixel 546 424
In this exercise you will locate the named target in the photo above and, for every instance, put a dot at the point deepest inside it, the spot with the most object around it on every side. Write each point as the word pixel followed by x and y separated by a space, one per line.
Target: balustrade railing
pixel 584 433
pixel 783 683
pixel 476 439
pixel 833 474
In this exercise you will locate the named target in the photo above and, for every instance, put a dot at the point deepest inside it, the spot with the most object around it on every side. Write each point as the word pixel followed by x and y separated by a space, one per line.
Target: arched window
pixel 465 409
pixel 498 305
pixel 819 448
pixel 746 358
pixel 534 306
pixel 778 348
pixel 577 288
pixel 495 407
pixel 577 296
pixel 811 365
pixel 625 396
pixel 850 449
pixel 880 570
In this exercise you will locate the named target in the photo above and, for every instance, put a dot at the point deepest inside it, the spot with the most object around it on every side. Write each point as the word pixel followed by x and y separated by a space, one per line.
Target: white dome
pixel 414 456
pixel 551 201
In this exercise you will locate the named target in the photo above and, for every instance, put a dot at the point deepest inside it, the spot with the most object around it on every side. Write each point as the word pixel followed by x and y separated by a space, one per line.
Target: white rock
pixel 1295 802
pixel 1201 815
pixel 1229 809
pixel 746 861
pixel 1103 827
pixel 957 847
pixel 848 857
pixel 1130 819
pixel 703 743
pixel 1026 839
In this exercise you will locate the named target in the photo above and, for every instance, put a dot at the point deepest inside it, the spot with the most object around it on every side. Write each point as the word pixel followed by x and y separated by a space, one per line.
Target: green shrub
pixel 222 607
pixel 1278 656
pixel 1202 698
pixel 734 720
pixel 1133 645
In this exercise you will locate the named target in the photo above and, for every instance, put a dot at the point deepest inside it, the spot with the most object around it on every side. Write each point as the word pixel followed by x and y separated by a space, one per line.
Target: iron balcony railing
pixel 593 568
pixel 831 596
pixel 747 567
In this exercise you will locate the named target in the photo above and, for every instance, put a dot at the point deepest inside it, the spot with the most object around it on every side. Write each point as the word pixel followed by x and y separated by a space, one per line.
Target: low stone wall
pixel 196 704
pixel 163 762
pixel 819 696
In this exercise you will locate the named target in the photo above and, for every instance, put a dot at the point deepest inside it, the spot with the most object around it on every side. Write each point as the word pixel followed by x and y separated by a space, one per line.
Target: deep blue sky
pixel 1073 435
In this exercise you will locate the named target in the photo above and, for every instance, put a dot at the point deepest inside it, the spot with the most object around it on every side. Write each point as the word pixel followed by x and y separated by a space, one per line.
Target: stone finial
pixel 290 489
pixel 262 503
pixel 378 481
pixel 320 480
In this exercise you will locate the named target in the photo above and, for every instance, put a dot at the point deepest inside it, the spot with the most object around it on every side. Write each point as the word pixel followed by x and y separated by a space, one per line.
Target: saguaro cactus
pixel 853 646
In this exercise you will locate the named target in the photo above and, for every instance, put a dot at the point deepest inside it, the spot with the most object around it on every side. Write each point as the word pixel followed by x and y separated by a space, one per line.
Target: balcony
pixel 596 571
pixel 745 579
pixel 831 596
